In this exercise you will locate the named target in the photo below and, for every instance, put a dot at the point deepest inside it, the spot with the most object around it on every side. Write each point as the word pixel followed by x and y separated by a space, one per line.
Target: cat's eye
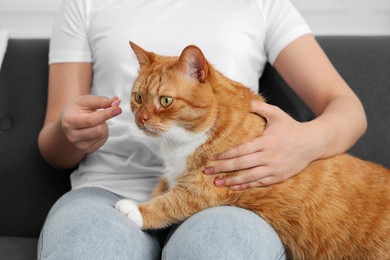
pixel 138 98
pixel 166 101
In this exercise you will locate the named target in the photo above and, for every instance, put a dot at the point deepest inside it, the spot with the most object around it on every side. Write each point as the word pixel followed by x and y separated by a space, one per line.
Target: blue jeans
pixel 84 224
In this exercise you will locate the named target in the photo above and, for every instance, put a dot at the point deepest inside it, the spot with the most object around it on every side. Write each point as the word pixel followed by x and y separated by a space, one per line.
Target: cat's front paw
pixel 131 210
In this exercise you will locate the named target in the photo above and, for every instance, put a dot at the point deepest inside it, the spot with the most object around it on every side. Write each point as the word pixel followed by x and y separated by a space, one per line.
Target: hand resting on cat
pixel 335 208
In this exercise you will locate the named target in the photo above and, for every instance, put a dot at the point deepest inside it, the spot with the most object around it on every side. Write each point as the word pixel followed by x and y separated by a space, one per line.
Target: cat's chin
pixel 150 132
pixel 147 130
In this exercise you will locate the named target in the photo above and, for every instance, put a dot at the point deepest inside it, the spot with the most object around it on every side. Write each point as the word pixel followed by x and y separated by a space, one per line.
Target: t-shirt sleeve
pixel 69 41
pixel 284 24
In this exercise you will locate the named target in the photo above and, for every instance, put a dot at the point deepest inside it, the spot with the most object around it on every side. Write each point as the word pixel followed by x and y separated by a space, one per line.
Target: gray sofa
pixel 29 187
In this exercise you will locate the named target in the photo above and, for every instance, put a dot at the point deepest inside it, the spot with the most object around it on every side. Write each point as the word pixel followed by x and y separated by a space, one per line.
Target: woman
pixel 91 71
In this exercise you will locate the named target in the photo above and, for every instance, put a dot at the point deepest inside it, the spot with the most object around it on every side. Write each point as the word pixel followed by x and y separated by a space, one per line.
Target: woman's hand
pixel 84 121
pixel 286 145
pixel 283 150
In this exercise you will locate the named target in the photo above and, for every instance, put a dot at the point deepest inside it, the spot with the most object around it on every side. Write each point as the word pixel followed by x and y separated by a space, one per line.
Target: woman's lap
pixel 224 233
pixel 84 224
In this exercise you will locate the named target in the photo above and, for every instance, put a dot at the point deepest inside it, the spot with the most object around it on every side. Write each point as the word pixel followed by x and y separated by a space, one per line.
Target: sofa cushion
pixel 18 248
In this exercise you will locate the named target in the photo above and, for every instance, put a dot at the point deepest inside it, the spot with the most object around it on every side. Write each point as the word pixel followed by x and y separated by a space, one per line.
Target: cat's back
pixel 336 208
pixel 345 203
pixel 356 170
pixel 363 194
pixel 356 180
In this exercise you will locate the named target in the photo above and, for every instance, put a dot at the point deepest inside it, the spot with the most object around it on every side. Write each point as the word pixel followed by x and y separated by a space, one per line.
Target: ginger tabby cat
pixel 336 208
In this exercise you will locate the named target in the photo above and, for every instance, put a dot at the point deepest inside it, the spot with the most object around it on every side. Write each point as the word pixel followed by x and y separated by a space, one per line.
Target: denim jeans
pixel 84 224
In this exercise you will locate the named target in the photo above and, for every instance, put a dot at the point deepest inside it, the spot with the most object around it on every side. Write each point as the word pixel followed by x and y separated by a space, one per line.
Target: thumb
pixel 265 110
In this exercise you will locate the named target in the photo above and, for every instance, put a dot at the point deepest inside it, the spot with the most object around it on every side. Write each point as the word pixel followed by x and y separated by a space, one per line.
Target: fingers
pixel 254 173
pixel 90 111
pixel 244 180
pixel 235 164
pixel 87 134
pixel 84 121
pixel 90 146
pixel 102 109
pixel 256 177
pixel 96 102
pixel 266 181
pixel 240 150
pixel 91 119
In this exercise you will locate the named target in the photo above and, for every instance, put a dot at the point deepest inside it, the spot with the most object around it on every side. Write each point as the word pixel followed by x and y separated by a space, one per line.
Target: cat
pixel 335 208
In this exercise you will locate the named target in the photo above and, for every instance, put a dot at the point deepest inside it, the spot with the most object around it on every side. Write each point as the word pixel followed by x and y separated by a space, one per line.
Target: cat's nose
pixel 143 118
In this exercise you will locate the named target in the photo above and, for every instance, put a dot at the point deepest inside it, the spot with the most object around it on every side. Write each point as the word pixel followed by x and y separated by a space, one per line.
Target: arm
pixel 73 124
pixel 287 146
pixel 341 119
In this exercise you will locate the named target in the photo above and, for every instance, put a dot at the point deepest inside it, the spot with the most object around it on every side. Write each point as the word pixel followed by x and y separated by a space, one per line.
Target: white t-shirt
pixel 236 36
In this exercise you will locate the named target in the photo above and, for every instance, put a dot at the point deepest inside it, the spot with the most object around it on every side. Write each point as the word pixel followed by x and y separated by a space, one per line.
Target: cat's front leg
pixel 131 210
pixel 167 209
pixel 161 187
pixel 130 207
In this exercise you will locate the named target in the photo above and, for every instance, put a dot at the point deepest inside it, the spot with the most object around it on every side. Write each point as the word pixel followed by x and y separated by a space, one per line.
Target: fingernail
pixel 116 103
pixel 208 170
pixel 236 187
pixel 116 112
pixel 219 182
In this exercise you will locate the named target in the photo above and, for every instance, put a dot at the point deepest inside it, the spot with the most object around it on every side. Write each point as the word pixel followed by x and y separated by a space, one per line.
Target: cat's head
pixel 172 92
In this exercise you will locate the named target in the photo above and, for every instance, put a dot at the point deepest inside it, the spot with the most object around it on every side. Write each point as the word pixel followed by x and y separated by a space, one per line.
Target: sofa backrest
pixel 29 186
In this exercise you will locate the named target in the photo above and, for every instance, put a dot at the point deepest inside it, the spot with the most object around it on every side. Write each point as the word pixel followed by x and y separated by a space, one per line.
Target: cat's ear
pixel 144 57
pixel 193 63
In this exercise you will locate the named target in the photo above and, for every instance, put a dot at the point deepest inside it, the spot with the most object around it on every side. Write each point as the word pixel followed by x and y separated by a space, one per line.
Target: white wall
pixel 28 18
pixel 346 17
pixel 34 18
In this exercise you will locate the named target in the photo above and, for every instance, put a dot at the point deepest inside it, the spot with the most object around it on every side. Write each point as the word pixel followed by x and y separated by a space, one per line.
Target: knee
pixel 219 232
pixel 89 227
pixel 75 214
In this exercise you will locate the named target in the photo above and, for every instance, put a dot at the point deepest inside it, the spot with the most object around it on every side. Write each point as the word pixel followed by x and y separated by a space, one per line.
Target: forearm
pixel 338 127
pixel 67 81
pixel 56 149
pixel 340 118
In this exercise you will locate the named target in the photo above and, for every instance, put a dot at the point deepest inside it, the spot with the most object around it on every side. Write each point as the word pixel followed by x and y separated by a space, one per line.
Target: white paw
pixel 130 209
